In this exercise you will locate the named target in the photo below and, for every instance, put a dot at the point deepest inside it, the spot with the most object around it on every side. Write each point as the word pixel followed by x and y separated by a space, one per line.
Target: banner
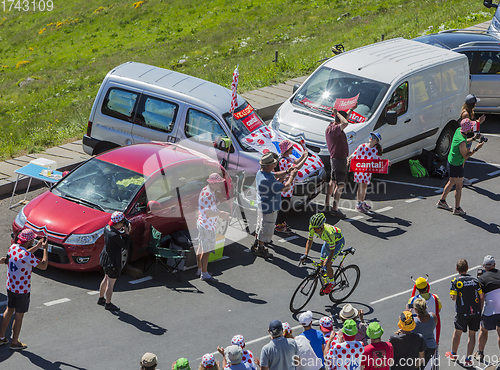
pixel 370 165
pixel 346 104
pixel 356 118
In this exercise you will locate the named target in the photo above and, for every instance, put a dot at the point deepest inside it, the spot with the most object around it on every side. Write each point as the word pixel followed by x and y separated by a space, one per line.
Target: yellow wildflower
pixel 22 63
pixel 138 4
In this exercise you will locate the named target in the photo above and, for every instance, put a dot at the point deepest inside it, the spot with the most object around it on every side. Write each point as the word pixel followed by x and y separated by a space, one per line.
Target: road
pixel 405 236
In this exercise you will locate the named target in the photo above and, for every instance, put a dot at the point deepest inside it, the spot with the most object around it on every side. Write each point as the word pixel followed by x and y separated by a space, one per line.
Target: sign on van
pixel 370 165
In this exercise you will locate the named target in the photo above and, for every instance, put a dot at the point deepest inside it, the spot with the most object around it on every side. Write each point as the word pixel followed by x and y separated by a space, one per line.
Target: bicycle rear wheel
pixel 346 280
pixel 303 293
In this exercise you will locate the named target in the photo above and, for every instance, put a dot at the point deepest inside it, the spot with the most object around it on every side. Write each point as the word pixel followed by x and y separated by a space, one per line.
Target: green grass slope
pixel 52 62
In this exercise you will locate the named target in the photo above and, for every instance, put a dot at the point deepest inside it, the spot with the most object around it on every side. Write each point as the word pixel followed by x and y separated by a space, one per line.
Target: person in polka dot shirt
pixel 247 355
pixel 347 354
pixel 20 260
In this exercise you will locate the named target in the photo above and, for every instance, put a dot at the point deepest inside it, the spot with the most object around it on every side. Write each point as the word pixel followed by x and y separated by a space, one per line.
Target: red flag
pixel 234 87
pixel 346 104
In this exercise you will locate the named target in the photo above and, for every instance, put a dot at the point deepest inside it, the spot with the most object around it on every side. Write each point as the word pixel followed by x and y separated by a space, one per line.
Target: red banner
pixel 346 104
pixel 356 118
pixel 370 165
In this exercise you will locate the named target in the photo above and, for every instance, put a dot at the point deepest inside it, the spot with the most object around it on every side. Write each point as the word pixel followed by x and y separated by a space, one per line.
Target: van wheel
pixel 443 144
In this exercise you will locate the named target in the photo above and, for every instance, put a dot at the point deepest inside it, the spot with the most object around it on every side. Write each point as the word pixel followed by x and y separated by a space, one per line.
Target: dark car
pixel 483 51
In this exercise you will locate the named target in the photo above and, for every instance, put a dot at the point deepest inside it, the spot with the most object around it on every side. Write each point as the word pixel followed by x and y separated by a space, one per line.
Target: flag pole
pixel 234 99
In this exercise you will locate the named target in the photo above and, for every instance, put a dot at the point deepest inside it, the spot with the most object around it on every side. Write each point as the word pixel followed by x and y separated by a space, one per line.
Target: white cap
pixel 305 318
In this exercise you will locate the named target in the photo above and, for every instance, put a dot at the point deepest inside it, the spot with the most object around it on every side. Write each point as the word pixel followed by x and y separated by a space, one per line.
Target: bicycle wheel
pixel 346 280
pixel 303 293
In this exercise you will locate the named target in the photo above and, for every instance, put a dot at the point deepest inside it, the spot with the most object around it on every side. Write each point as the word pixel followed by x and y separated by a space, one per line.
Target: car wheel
pixel 443 144
pixel 124 259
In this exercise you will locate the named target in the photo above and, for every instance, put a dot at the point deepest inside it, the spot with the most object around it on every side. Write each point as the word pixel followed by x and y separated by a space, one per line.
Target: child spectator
pixel 349 312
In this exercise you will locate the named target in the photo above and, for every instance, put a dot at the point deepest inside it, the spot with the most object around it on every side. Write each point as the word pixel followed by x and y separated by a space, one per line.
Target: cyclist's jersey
pixel 331 235
pixel 467 289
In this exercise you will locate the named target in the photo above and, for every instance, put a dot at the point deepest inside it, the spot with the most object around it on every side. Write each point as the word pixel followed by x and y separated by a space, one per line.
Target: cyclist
pixel 333 244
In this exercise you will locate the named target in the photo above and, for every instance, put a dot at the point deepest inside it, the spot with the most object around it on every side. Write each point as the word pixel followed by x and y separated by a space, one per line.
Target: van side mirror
pixel 295 87
pixel 225 144
pixel 391 118
pixel 489 4
pixel 153 205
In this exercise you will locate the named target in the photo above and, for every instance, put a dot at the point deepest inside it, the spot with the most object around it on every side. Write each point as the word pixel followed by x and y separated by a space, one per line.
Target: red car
pixel 153 184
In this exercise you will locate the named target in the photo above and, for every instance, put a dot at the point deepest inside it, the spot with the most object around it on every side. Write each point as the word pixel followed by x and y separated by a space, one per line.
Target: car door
pixel 485 79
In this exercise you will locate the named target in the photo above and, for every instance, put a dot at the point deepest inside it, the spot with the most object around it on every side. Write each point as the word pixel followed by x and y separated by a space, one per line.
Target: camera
pixel 483 139
pixel 126 222
pixel 479 272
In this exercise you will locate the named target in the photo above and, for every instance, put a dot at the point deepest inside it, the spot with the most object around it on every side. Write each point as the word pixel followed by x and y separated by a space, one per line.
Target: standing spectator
pixel 20 260
pixel 377 354
pixel 348 312
pixel 432 301
pixel 149 361
pixel 409 348
pixel 287 163
pixel 468 112
pixel 371 150
pixel 338 148
pixel 280 353
pixel 490 283
pixel 269 190
pixel 466 291
pixel 116 238
pixel 314 336
pixel 346 355
pixel 425 324
pixel 232 358
pixel 208 362
pixel 308 359
pixel 326 326
pixel 181 364
pixel 206 224
pixel 457 156
pixel 247 356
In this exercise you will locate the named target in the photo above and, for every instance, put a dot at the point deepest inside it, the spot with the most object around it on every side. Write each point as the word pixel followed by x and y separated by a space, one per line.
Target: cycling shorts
pixel 325 250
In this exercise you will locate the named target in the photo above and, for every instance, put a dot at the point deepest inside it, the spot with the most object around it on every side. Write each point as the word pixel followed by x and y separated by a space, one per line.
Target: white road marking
pixel 382 210
pixel 414 199
pixel 410 184
pixel 146 278
pixel 473 180
pixel 495 135
pixel 354 218
pixel 57 301
pixel 348 209
pixel 494 173
pixel 94 292
pixel 410 290
pixel 288 239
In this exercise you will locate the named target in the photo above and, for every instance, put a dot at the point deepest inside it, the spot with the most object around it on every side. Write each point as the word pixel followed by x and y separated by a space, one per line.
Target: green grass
pixel 52 63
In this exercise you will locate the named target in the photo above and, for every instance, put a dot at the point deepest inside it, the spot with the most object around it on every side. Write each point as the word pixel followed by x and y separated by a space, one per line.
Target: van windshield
pixel 243 121
pixel 329 88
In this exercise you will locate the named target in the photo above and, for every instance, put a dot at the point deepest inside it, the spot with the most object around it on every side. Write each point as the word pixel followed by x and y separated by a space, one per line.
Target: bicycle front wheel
pixel 303 293
pixel 346 280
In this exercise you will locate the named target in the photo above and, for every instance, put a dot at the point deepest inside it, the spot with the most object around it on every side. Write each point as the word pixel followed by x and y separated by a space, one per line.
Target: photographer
pixel 459 153
pixel 116 238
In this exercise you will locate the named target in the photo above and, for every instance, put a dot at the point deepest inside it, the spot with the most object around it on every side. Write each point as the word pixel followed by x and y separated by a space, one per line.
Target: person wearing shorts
pixel 207 223
pixel 20 260
pixel 457 156
pixel 116 238
pixel 466 291
pixel 269 190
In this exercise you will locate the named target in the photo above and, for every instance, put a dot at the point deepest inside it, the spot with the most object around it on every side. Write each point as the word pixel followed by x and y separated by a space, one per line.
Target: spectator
pixel 468 112
pixel 326 326
pixel 409 348
pixel 347 354
pixel 372 150
pixel 20 260
pixel 181 364
pixel 314 336
pixel 149 361
pixel 456 158
pixel 490 283
pixel 116 238
pixel 468 310
pixel 377 354
pixel 349 312
pixel 432 301
pixel 280 353
pixel 269 190
pixel 232 358
pixel 338 148
pixel 247 356
pixel 208 362
pixel 287 163
pixel 425 324
pixel 308 359
pixel 206 224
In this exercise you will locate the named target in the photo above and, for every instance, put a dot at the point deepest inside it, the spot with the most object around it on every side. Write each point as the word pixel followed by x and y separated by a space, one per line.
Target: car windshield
pixel 243 121
pixel 100 185
pixel 322 90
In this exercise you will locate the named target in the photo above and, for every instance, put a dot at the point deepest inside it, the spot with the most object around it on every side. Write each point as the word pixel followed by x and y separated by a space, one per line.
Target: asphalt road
pixel 405 236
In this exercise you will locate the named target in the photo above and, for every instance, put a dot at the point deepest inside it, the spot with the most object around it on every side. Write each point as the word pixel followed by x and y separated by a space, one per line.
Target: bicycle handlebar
pixel 308 259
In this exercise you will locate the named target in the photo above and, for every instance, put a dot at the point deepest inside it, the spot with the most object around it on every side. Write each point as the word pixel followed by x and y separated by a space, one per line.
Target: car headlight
pixel 84 239
pixel 20 219
pixel 495 24
pixel 351 136
pixel 275 123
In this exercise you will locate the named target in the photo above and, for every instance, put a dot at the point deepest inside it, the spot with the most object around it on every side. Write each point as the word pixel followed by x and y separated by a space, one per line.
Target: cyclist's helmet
pixel 317 220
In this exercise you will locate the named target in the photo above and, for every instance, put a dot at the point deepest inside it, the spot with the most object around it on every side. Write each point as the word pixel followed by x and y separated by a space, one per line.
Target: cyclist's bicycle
pixel 346 280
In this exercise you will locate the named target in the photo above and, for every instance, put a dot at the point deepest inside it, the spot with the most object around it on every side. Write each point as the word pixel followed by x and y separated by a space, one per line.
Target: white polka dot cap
pixel 287 327
pixel 26 235
pixel 208 361
pixel 326 324
pixel 238 340
pixel 117 217
pixel 214 178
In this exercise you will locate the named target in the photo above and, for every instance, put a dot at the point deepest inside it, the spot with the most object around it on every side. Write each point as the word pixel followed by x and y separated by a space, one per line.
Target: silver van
pixel 138 103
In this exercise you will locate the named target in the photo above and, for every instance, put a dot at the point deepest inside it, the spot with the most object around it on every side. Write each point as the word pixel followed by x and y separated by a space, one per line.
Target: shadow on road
pixel 142 325
pixel 491 228
pixel 46 364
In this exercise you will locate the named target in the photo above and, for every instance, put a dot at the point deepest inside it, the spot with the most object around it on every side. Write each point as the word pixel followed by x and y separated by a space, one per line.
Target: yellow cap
pixel 421 283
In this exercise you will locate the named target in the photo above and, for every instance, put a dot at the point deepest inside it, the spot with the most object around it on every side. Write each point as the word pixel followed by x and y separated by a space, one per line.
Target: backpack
pixel 417 170
pixel 428 160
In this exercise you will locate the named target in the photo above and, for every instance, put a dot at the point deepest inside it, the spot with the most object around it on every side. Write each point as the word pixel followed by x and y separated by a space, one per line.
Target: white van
pixel 409 92
pixel 138 103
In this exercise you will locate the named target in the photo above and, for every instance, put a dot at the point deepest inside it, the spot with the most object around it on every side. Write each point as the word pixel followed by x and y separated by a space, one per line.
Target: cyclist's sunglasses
pixel 317 228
